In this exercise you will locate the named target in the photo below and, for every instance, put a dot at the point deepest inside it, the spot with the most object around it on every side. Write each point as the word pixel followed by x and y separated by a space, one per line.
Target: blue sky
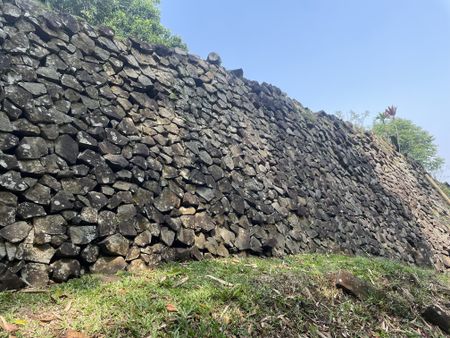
pixel 333 55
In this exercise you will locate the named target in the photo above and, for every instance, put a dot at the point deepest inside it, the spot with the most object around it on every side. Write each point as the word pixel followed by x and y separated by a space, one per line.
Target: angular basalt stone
pixel 38 253
pixel 13 181
pixel 31 148
pixel 437 316
pixel 67 148
pixel 143 239
pixel 64 269
pixel 109 265
pixel 50 225
pixel 68 250
pixel 8 162
pixel 28 210
pixel 116 245
pixel 7 214
pixel 61 201
pixel 11 12
pixel 15 232
pixel 90 253
pixel 89 215
pixel 83 42
pixel 167 201
pixel 81 235
pixel 71 82
pixel 116 162
pixel 354 285
pixel 186 236
pixel 48 73
pixel 35 88
pixel 143 100
pixel 8 141
pixel 5 123
pixel 214 59
pixel 9 280
pixel 107 223
pixel 39 194
pixel 242 241
pixel 167 236
pixel 36 274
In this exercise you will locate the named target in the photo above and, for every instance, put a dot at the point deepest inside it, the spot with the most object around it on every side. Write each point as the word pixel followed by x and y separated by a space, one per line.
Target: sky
pixel 333 55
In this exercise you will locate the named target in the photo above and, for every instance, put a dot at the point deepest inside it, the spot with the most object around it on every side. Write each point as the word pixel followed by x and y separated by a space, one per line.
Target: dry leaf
pixel 171 308
pixel 8 327
pixel 68 306
pixel 75 334
pixel 20 322
pixel 47 318
pixel 182 281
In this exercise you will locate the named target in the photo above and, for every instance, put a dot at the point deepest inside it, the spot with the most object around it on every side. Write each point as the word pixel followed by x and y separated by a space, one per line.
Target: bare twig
pixel 221 281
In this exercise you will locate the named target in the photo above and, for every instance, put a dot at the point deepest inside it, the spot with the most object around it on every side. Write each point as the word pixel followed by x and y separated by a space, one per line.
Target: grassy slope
pixel 265 297
pixel 445 188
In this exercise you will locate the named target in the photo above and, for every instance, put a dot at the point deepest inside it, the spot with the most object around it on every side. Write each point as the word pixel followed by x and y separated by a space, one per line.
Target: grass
pixel 445 187
pixel 257 297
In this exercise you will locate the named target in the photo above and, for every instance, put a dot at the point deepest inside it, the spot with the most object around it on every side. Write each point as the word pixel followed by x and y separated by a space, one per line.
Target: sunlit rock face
pixel 116 154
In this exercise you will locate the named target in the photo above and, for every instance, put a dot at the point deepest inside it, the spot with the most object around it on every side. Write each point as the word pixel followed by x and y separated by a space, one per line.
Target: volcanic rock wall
pixel 115 154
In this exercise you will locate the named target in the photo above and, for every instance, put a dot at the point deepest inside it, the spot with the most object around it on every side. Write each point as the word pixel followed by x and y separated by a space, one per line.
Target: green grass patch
pixel 235 297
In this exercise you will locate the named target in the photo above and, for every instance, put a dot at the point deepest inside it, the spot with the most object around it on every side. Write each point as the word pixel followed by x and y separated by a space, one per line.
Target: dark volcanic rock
pixel 31 148
pixel 39 253
pixel 116 245
pixel 9 280
pixel 27 210
pixel 109 265
pixel 214 58
pixel 82 234
pixel 50 225
pixel 437 316
pixel 167 201
pixel 39 194
pixel 354 285
pixel 36 274
pixel 67 148
pixel 15 232
pixel 64 269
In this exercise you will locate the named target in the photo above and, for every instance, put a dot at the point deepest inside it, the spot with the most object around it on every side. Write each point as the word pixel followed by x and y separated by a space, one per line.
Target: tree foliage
pixel 133 18
pixel 412 140
pixel 358 120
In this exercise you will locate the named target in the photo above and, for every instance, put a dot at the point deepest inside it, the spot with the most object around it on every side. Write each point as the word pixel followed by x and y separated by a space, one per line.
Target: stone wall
pixel 115 154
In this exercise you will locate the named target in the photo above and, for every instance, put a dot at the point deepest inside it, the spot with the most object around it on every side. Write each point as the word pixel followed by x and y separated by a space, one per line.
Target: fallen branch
pixel 34 291
pixel 439 190
pixel 221 281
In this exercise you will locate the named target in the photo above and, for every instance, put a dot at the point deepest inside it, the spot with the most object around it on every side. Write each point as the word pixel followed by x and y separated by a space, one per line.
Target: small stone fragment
pixel 109 265
pixel 437 316
pixel 354 285
pixel 214 59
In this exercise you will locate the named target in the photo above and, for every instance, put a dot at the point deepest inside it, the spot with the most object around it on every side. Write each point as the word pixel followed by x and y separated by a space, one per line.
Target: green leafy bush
pixel 129 18
pixel 412 140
